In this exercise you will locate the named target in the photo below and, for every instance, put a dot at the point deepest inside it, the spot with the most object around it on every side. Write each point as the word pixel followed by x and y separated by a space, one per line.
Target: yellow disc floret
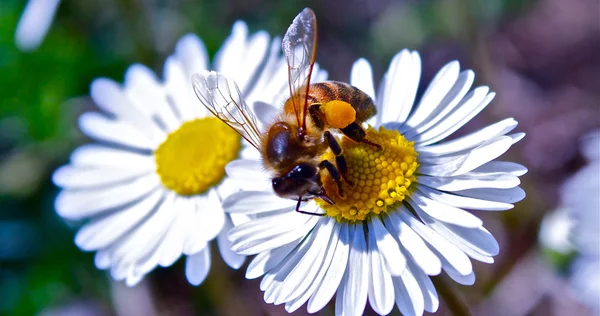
pixel 193 158
pixel 338 114
pixel 381 178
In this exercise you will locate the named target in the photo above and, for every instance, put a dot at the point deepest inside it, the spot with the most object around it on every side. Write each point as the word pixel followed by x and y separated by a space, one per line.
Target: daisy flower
pixel 404 219
pixel 149 188
pixel 575 225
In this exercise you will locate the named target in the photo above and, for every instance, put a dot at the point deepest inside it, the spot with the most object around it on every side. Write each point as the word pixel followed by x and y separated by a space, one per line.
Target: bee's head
pixel 300 181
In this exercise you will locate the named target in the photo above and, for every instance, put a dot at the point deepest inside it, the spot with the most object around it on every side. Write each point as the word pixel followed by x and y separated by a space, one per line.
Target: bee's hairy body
pixel 283 149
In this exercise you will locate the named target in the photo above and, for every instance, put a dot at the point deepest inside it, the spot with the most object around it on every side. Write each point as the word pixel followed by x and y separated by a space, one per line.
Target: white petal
pixel 443 212
pixel 111 98
pixel 381 289
pixel 148 94
pixel 478 239
pixel 265 261
pixel 272 82
pixel 101 128
pixel 468 141
pixel 232 259
pixel 81 204
pixel 258 235
pixel 209 216
pixel 512 195
pixel 352 294
pixel 74 177
pixel 250 202
pixel 470 106
pixel 467 181
pixel 437 90
pixel 334 274
pixel 322 270
pixel 34 23
pixel 468 279
pixel 171 247
pixel 361 77
pixel 389 249
pixel 100 233
pixel 178 85
pixel 413 244
pixel 451 100
pixel 409 297
pixel 190 50
pixel 401 83
pixel 197 266
pixel 431 300
pixel 265 113
pixel 96 155
pixel 102 260
pixel 304 272
pixel 494 167
pixel 470 160
pixel 448 253
pixel 462 201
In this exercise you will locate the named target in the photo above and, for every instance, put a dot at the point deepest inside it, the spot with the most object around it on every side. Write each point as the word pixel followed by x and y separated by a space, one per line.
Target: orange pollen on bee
pixel 382 178
pixel 338 114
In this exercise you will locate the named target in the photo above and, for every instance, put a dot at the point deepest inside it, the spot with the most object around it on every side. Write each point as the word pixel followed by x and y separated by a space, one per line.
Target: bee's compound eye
pixel 303 170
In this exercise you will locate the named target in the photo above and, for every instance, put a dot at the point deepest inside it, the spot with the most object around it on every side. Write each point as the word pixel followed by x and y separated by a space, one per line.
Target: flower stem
pixel 456 305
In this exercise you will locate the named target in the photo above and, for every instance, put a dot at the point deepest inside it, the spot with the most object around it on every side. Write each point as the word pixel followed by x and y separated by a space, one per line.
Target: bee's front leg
pixel 340 160
pixel 355 132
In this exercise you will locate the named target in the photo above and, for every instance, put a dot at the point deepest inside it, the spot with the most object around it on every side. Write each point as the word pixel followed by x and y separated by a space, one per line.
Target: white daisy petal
pixel 430 297
pixel 148 94
pixel 95 155
pixel 193 55
pixel 80 204
pixel 462 201
pixel 178 86
pixel 512 195
pixel 448 253
pixel 74 177
pixel 265 261
pixel 468 279
pixel 260 235
pixel 470 106
pixel 334 274
pixel 352 294
pixel 249 202
pixel 293 305
pixel 409 297
pixel 100 233
pixel 413 244
pixel 197 266
pixel 389 248
pixel 439 87
pixel 451 100
pixel 443 212
pixel 381 288
pixel 304 272
pixel 117 132
pixel 468 141
pixel 495 167
pixel 111 98
pixel 361 77
pixel 464 182
pixel 231 258
pixel 401 83
pixel 210 217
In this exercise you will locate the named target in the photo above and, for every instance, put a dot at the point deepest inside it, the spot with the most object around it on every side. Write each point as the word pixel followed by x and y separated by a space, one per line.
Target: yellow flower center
pixel 381 178
pixel 193 158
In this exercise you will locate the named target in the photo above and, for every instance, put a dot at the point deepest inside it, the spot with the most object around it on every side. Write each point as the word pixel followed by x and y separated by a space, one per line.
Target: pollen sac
pixel 338 114
pixel 382 178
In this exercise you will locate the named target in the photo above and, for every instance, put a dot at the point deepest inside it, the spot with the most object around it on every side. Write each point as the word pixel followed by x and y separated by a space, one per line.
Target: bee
pixel 292 145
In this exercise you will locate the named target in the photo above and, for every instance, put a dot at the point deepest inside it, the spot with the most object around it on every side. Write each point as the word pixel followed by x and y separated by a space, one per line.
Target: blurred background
pixel 542 57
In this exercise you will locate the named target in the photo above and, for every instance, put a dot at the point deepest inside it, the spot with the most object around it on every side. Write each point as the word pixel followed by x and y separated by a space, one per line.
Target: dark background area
pixel 541 57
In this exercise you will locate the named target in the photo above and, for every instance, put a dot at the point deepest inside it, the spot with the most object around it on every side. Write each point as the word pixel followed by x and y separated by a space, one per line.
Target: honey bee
pixel 292 146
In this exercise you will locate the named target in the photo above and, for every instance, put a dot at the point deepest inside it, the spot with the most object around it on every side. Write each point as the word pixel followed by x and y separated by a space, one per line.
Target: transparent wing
pixel 222 97
pixel 299 47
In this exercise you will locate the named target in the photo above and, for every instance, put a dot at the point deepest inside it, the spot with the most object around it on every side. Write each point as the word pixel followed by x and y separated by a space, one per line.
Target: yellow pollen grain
pixel 390 172
pixel 193 158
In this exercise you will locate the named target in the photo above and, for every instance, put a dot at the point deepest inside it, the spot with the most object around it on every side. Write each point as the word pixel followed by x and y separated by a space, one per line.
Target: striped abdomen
pixel 324 92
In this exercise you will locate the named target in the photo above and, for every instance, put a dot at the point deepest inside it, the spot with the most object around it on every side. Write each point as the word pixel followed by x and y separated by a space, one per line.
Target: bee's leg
pixel 340 160
pixel 335 174
pixel 355 132
pixel 304 212
pixel 322 195
pixel 314 110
